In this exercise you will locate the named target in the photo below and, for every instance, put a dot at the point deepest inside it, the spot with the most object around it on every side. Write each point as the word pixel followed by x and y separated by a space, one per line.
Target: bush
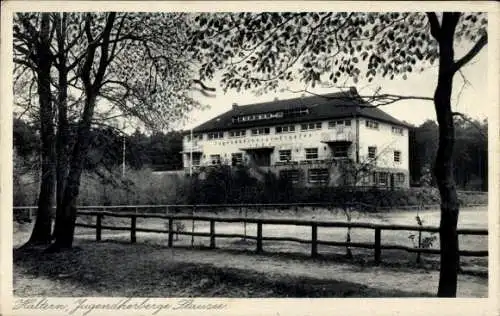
pixel 24 181
pixel 138 187
pixel 220 185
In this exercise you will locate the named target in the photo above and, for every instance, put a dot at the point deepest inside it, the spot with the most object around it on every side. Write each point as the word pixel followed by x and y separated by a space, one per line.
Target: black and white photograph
pixel 240 152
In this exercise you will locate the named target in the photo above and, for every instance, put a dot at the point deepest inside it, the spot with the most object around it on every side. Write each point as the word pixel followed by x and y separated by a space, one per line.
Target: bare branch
pixel 380 99
pixel 103 63
pixel 472 53
pixel 118 32
pixel 204 92
pixel 203 86
pixel 25 63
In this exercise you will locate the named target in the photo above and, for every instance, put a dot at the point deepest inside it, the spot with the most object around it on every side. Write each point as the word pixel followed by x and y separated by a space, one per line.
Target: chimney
pixel 353 90
pixel 235 106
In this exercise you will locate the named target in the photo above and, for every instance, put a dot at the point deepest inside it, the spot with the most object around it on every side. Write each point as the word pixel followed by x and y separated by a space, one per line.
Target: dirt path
pixel 383 278
pixel 145 265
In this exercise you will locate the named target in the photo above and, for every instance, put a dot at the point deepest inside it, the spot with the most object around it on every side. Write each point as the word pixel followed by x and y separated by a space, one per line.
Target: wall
pixel 383 138
pixel 296 141
pixel 386 142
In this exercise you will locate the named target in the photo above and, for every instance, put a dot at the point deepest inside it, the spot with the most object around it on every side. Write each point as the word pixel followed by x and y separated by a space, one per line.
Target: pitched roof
pixel 320 107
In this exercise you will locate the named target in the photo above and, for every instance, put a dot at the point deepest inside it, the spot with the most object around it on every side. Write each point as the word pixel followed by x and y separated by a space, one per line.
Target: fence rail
pixel 377 246
pixel 131 212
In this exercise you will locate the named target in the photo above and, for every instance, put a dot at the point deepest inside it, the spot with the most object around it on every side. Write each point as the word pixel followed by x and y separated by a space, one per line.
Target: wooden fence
pixel 377 246
pixel 163 212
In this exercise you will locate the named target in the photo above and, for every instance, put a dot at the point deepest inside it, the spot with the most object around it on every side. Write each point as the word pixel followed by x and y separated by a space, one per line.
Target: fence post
pixel 170 232
pixel 212 234
pixel 98 227
pixel 377 245
pixel 192 228
pixel 132 230
pixel 314 240
pixel 259 236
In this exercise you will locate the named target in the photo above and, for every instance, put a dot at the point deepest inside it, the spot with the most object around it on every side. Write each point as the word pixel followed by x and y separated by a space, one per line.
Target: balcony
pixel 345 136
pixel 188 147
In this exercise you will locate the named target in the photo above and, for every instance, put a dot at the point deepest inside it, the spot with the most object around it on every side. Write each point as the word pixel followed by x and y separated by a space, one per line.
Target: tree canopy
pixel 145 73
pixel 262 50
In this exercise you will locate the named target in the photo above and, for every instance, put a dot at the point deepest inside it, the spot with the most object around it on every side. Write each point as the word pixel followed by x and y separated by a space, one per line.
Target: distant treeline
pixel 161 151
pixel 470 157
pixel 158 151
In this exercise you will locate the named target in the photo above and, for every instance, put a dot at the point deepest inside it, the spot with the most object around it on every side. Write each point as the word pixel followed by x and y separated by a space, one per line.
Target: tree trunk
pixel 41 233
pixel 62 126
pixel 443 168
pixel 67 213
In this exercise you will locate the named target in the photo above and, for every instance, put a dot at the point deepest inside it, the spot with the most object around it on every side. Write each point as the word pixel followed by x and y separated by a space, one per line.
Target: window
pixel 260 131
pixel 400 177
pixel 240 133
pixel 310 126
pixel 365 178
pixel 333 124
pixel 382 178
pixel 371 124
pixel 372 152
pixel 259 116
pixel 397 156
pixel 215 159
pixel 236 159
pixel 397 130
pixel 295 112
pixel 195 137
pixel 311 153
pixel 291 175
pixel 318 175
pixel 340 151
pixel 285 129
pixel 285 155
pixel 196 160
pixel 216 135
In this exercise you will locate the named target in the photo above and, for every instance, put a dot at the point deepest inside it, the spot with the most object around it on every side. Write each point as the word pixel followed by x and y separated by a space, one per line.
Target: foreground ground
pixel 116 268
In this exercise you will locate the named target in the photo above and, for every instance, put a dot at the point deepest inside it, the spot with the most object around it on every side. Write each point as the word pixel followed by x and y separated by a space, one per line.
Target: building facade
pixel 334 139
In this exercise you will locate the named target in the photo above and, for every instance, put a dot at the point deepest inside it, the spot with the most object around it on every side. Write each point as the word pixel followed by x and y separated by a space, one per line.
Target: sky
pixel 471 101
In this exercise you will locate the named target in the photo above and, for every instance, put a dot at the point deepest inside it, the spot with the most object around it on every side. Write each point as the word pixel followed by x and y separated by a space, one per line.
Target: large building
pixel 333 139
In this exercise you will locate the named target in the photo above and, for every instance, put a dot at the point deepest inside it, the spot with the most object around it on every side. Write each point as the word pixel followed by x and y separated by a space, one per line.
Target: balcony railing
pixel 337 136
pixel 192 146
